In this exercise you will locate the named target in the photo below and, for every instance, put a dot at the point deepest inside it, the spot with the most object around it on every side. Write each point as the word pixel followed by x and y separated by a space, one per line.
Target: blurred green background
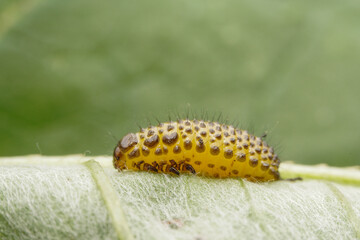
pixel 77 75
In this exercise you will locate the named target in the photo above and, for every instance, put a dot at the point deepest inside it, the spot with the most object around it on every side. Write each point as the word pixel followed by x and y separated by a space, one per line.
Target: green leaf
pixel 69 197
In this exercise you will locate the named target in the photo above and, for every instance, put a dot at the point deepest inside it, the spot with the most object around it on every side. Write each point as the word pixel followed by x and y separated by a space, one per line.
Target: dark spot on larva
pixel 196 122
pixel 117 153
pixel 198 137
pixel 252 152
pixel 218 135
pixel 239 139
pixel 271 150
pixel 232 140
pixel 203 133
pixel 170 127
pixel 212 131
pixel 223 168
pixel 252 137
pixel 270 156
pixel 264 166
pixel 158 151
pixel 259 142
pixel 184 136
pixel 170 138
pixel 253 162
pixel 216 175
pixel 228 153
pixel 275 157
pixel 202 125
pixel 128 141
pixel 275 164
pixel 274 172
pixel 232 131
pixel 218 128
pixel 226 143
pixel 247 176
pixel 265 150
pixel 177 149
pixel 241 157
pixel 235 171
pixel 214 150
pixel 198 162
pixel 161 131
pixel 165 149
pixel 142 130
pixel 196 128
pixel 152 141
pixel 211 124
pixel 200 146
pixel 150 133
pixel 258 150
pixel 246 138
pixel 252 144
pixel 226 134
pixel 134 153
pixel 245 145
pixel 263 157
pixel 187 144
pixel 188 130
pixel 187 123
pixel 187 160
pixel 145 151
pixel 142 136
pixel 238 131
pixel 212 140
pixel 210 165
pixel 181 127
pixel 239 147
pixel 225 127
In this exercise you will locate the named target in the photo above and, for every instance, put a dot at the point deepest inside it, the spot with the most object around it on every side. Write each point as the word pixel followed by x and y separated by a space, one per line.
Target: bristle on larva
pixel 199 147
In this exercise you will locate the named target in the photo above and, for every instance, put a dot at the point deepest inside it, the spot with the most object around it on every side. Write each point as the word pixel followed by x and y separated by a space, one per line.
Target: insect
pixel 198 147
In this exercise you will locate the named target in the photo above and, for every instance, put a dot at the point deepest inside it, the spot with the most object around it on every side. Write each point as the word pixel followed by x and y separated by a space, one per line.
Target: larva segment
pixel 201 147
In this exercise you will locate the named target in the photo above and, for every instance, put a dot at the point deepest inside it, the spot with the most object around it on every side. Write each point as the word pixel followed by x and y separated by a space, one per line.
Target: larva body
pixel 199 147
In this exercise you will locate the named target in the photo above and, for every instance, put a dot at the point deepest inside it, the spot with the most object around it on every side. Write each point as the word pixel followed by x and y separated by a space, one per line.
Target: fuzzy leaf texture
pixel 78 197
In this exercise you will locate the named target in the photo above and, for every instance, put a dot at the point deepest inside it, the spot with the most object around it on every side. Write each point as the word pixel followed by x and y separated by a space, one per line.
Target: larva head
pixel 122 147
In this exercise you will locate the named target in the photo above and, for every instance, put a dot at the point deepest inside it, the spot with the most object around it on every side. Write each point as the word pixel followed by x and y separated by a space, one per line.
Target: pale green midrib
pixel 13 13
pixel 348 175
pixel 348 208
pixel 111 200
pixel 320 176
pixel 254 213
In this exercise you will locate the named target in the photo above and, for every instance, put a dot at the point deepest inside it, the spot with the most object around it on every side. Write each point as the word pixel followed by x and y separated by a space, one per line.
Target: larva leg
pixel 174 170
pixel 148 167
pixel 138 164
pixel 190 168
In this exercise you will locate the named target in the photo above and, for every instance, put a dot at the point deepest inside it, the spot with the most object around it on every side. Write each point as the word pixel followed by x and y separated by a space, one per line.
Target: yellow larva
pixel 199 147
